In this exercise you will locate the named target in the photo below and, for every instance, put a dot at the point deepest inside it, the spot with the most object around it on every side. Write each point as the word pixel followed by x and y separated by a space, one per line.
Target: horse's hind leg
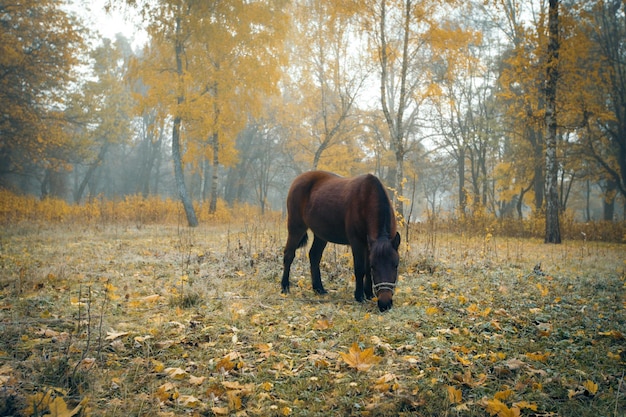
pixel 315 255
pixel 294 241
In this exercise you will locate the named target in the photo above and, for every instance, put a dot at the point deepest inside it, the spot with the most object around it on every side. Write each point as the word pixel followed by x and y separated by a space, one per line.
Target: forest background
pixel 474 113
pixel 445 101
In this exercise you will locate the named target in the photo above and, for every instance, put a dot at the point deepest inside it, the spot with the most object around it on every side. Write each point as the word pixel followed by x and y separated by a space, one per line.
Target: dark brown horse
pixel 349 211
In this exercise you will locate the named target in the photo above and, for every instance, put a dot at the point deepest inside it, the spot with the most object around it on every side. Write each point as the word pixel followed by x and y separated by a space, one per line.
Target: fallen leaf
pixel 497 407
pixel 525 404
pixel 188 401
pixel 591 387
pixel 163 393
pixel 361 360
pixel 234 400
pixel 503 395
pixel 430 311
pixel 515 364
pixel 151 298
pixel 538 356
pixel 112 335
pixel 175 373
pixel 220 411
pixel 196 380
pixel 463 361
pixel 615 334
pixel 58 408
pixel 455 395
pixel 322 324
pixel 235 385
pixel 386 383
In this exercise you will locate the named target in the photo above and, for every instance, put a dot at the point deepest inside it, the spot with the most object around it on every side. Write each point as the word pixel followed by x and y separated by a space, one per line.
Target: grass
pixel 164 320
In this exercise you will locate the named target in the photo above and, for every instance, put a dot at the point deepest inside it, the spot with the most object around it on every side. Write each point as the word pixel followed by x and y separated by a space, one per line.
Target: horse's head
pixel 384 260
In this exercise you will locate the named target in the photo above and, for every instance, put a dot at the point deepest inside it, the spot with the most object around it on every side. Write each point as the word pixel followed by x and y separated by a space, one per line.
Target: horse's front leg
pixel 369 292
pixel 315 255
pixel 360 263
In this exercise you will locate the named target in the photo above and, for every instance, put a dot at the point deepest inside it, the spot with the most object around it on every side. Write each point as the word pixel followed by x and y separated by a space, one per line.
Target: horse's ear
pixel 396 241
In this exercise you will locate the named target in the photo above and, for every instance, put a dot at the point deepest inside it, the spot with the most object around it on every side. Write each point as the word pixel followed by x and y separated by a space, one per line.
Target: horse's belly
pixel 330 226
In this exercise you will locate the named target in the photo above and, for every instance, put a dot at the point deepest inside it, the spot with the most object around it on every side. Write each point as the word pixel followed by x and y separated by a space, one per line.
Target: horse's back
pixel 317 200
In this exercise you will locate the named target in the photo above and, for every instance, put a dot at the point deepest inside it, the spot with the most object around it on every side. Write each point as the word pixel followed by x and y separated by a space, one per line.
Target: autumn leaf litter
pixel 163 320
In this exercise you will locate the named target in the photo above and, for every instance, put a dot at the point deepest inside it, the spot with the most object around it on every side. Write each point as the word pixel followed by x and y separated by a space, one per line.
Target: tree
pixel 102 109
pixel 39 45
pixel 402 38
pixel 326 75
pixel 209 65
pixel 464 110
pixel 553 231
pixel 602 101
pixel 522 94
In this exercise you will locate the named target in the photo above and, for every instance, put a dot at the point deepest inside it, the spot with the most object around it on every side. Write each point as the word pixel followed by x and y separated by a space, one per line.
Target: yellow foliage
pixel 133 209
pixel 361 360
pixel 455 395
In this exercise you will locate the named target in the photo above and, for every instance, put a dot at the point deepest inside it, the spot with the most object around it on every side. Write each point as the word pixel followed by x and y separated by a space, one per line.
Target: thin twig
pixel 619 387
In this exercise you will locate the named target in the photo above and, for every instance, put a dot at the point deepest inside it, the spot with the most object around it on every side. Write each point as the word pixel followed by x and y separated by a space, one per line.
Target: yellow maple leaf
pixel 525 404
pixel 430 311
pixel 473 309
pixel 497 407
pixel 361 360
pixel 58 408
pixel 591 387
pixel 503 395
pixel 158 365
pixel 544 290
pixel 538 356
pixel 322 324
pixel 163 392
pixel 234 400
pixel 455 395
pixel 463 361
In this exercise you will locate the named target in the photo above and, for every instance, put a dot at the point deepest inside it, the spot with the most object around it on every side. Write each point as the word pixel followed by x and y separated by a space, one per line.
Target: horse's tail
pixel 303 241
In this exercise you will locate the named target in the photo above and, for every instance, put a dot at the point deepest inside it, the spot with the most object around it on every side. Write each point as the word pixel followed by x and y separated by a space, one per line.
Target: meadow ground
pixel 165 320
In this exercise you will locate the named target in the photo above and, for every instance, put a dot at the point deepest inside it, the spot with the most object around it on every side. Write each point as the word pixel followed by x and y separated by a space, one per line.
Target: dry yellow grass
pixel 163 320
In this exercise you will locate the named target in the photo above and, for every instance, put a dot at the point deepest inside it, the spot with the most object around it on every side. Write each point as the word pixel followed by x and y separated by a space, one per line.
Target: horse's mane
pixel 381 248
pixel 384 210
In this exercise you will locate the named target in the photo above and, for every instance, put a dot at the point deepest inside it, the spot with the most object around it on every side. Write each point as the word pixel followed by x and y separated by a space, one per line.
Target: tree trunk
pixel 176 154
pixel 216 164
pixel 396 124
pixel 608 202
pixel 461 175
pixel 553 231
pixel 180 176
pixel 78 194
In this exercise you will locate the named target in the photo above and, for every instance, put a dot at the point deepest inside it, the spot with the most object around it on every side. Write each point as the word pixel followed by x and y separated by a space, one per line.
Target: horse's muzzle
pixel 385 300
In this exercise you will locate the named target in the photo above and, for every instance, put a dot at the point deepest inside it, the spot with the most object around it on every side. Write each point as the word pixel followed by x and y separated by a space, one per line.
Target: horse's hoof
pixel 320 291
pixel 285 290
